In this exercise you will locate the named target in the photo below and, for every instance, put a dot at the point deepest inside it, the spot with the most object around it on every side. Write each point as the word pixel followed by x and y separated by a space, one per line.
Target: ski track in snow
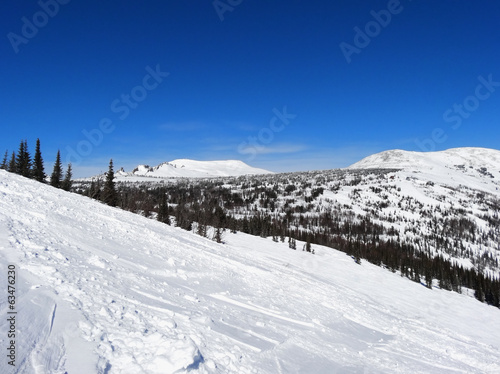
pixel 100 290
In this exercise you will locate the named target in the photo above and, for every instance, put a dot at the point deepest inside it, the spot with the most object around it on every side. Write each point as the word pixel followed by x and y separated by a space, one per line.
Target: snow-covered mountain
pixel 454 166
pixel 101 290
pixel 467 156
pixel 184 168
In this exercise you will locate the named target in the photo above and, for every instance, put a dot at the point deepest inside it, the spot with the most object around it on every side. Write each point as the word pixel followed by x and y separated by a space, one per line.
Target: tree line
pixel 32 167
pixel 196 205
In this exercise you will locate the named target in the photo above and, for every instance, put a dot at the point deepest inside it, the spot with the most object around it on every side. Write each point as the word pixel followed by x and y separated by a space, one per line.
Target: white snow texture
pixel 100 290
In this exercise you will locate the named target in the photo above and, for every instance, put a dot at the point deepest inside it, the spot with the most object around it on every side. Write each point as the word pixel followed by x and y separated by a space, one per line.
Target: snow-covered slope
pixel 477 168
pixel 100 290
pixel 196 169
pixel 397 159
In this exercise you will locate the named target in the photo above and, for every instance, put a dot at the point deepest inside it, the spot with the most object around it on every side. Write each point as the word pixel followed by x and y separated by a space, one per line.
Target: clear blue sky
pixel 296 76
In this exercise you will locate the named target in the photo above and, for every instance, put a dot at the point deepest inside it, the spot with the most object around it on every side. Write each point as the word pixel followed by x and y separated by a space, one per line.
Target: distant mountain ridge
pixel 400 159
pixel 185 168
pixel 477 168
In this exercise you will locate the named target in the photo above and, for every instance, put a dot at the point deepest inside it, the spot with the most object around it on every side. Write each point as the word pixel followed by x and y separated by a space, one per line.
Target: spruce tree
pixel 308 245
pixel 19 158
pixel 23 160
pixel 28 163
pixel 163 209
pixel 94 191
pixel 38 170
pixel 109 195
pixel 56 177
pixel 428 276
pixel 479 293
pixel 4 164
pixel 67 182
pixel 218 235
pixel 202 229
pixel 12 163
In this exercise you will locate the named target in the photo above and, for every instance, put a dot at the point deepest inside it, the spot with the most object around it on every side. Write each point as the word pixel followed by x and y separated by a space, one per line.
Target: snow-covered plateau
pixel 185 168
pixel 101 290
pixel 454 167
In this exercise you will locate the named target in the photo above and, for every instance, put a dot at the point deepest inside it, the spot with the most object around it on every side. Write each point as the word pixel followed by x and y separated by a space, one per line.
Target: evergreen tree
pixel 163 209
pixel 67 183
pixel 23 160
pixel 233 226
pixel 308 245
pixel 56 177
pixel 28 162
pixel 479 293
pixel 202 229
pixel 109 195
pixel 38 170
pixel 428 277
pixel 179 217
pixel 218 235
pixel 4 164
pixel 20 158
pixel 94 191
pixel 12 163
pixel 416 277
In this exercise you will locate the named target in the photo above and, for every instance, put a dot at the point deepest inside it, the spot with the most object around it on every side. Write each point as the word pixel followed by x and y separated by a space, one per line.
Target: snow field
pixel 101 290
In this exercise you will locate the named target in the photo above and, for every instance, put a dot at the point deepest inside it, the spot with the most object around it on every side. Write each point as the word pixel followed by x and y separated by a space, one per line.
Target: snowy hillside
pixel 184 168
pixel 475 157
pixel 435 206
pixel 440 204
pixel 453 166
pixel 100 290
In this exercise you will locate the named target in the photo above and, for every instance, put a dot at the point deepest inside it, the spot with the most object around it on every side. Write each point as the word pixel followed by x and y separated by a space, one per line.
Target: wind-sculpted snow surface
pixel 100 290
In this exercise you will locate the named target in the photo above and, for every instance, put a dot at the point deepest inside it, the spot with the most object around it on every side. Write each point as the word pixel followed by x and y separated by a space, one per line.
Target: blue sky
pixel 284 85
